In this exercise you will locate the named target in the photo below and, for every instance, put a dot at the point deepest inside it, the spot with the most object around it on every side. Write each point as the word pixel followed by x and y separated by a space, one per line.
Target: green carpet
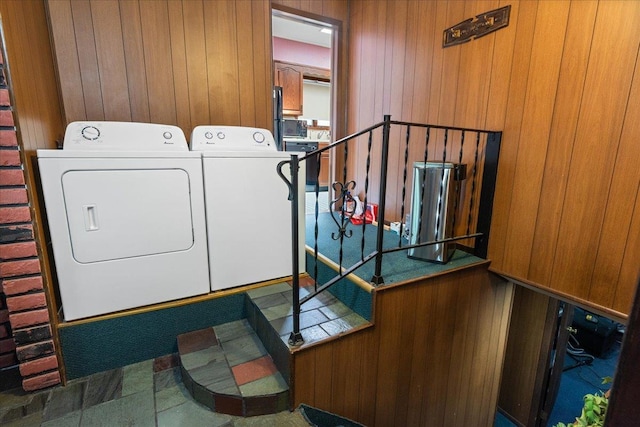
pixel 396 266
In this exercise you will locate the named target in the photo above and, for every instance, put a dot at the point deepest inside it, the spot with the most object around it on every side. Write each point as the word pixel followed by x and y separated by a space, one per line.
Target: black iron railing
pixel 381 144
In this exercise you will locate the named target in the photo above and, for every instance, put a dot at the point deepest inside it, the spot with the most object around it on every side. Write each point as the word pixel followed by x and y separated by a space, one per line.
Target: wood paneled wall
pixel 186 63
pixel 562 81
pixel 433 357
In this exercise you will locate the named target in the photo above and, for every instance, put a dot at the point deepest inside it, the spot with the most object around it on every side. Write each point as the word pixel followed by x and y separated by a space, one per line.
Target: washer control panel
pixel 123 136
pixel 231 138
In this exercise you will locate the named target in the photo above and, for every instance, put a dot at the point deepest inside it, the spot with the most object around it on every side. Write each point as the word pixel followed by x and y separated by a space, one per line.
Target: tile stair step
pixel 227 369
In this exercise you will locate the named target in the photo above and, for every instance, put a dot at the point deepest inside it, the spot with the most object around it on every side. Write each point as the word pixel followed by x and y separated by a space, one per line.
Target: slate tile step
pixel 227 369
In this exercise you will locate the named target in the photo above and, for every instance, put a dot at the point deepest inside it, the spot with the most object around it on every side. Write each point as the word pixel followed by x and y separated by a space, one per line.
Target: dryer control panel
pixel 123 136
pixel 231 138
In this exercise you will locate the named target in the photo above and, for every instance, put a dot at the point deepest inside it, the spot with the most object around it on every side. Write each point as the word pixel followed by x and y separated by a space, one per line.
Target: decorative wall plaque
pixel 474 28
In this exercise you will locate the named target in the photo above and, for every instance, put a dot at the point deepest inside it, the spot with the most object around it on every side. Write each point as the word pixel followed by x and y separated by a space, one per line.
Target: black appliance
pixel 596 334
pixel 278 118
pixel 295 128
pixel 306 147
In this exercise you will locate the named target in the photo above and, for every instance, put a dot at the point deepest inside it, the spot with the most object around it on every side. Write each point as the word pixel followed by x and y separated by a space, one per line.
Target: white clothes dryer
pixel 125 208
pixel 247 205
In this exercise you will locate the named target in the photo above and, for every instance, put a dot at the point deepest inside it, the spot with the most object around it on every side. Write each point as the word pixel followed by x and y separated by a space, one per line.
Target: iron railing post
pixel 377 278
pixel 295 339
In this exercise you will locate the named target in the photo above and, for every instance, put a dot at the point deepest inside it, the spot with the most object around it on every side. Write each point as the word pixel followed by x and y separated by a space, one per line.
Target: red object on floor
pixel 254 370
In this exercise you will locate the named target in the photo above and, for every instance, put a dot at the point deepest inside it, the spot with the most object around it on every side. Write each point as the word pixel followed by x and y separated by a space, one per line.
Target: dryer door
pixel 116 214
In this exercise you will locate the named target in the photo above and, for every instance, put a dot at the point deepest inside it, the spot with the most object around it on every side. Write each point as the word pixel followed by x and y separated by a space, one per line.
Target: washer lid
pixel 123 136
pixel 231 138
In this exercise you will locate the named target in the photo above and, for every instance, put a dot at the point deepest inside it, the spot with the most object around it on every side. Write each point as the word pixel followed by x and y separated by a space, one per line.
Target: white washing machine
pixel 248 211
pixel 125 207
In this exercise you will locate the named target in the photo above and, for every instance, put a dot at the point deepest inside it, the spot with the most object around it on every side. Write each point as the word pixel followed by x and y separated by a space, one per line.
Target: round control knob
pixel 220 135
pixel 90 132
pixel 258 137
pixel 208 135
pixel 167 135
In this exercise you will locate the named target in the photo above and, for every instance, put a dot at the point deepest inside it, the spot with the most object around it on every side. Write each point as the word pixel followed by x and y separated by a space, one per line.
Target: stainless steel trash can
pixel 432 209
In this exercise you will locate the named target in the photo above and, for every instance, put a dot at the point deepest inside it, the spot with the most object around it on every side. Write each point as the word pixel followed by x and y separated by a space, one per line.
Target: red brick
pixel 18 250
pixel 8 360
pixel 16 233
pixel 34 351
pixel 6 118
pixel 11 177
pixel 41 381
pixel 13 215
pixel 10 158
pixel 8 138
pixel 29 318
pixel 4 332
pixel 4 97
pixel 7 345
pixel 26 302
pixel 22 285
pixel 37 366
pixel 19 268
pixel 13 196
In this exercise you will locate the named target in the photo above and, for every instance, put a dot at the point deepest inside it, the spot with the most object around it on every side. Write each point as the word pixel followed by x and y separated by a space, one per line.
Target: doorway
pixel 303 52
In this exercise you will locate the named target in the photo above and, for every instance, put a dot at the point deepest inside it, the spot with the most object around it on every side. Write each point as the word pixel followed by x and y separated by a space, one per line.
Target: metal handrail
pixel 483 221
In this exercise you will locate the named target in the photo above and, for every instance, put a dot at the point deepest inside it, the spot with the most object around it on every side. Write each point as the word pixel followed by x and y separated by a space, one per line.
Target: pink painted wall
pixel 301 53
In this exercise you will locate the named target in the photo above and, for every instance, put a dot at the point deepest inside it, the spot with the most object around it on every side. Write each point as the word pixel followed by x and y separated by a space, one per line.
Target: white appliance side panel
pixel 248 221
pixel 104 287
pixel 115 214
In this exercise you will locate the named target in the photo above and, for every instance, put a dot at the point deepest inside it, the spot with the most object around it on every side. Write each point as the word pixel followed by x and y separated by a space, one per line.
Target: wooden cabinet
pixel 323 177
pixel 289 78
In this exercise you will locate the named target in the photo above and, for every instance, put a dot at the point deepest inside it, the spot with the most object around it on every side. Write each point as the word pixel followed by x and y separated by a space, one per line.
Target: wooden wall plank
pixel 244 40
pixel 629 273
pixel 111 60
pixel 87 58
pixel 525 24
pixel 561 140
pixel 134 59
pixel 546 55
pixel 222 55
pixel 67 61
pixel 598 135
pixel 157 50
pixel 615 235
pixel 197 64
pixel 262 65
pixel 178 65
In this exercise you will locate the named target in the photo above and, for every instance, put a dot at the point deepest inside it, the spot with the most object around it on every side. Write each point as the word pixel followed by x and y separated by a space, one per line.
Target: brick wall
pixel 25 329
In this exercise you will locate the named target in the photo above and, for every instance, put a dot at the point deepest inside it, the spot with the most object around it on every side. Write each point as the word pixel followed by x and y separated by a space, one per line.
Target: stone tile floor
pixel 149 393
pixel 321 317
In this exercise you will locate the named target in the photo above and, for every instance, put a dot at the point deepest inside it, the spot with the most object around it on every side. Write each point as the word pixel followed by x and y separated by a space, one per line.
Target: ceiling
pixel 300 31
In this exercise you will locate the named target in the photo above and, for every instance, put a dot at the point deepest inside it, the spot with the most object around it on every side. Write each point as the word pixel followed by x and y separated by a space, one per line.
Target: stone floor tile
pixel 211 373
pixel 335 310
pixel 166 378
pixel 64 400
pixel 102 387
pixel 268 290
pixel 270 300
pixel 254 370
pixel 133 410
pixel 267 385
pixel 191 414
pixel 232 330
pixel 307 319
pixel 243 349
pixel 277 312
pixel 69 420
pixel 29 421
pixel 137 377
pixel 196 340
pixel 342 324
pixel 167 361
pixel 171 396
pixel 202 357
